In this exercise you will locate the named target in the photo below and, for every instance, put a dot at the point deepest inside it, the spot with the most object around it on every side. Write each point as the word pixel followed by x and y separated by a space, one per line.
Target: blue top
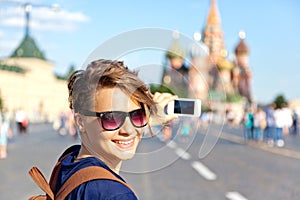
pixel 270 117
pixel 95 189
pixel 249 120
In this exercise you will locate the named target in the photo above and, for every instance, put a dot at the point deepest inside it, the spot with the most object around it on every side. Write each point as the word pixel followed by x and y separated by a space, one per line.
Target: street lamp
pixel 28 8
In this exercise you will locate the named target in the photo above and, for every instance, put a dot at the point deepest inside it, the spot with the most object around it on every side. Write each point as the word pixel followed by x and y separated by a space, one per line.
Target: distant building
pixel 231 77
pixel 27 82
pixel 176 72
pixel 211 75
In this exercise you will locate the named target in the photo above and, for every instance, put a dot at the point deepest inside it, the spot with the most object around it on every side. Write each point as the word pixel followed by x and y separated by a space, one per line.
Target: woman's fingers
pixel 162 100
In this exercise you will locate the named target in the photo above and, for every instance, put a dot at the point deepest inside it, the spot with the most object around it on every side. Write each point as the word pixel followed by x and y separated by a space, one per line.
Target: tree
pixel 280 101
pixel 160 88
pixel 1 103
pixel 72 68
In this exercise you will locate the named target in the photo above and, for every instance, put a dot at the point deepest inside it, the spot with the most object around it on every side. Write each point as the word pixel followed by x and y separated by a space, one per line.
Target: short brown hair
pixel 83 84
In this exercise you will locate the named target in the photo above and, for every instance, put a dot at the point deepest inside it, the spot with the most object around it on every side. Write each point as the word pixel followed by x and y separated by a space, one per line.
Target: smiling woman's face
pixel 117 145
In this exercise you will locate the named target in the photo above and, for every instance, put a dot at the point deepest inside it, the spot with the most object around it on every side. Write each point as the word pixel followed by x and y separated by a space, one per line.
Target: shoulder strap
pixel 56 170
pixel 40 180
pixel 79 177
pixel 85 175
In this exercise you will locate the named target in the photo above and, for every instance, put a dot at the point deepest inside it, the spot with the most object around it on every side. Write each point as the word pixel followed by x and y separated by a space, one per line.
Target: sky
pixel 69 34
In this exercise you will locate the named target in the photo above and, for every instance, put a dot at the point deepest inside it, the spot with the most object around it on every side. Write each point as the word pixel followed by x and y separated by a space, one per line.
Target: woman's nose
pixel 127 128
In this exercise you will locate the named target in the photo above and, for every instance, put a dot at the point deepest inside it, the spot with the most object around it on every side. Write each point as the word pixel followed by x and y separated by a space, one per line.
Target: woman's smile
pixel 125 144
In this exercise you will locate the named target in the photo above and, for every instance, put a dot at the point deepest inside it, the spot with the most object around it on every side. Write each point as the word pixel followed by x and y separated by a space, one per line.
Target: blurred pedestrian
pixel 249 125
pixel 167 132
pixel 5 134
pixel 73 131
pixel 185 129
pixel 271 125
pixel 62 129
pixel 112 107
pixel 295 123
pixel 21 120
pixel 280 123
pixel 260 124
pixel 288 120
pixel 230 116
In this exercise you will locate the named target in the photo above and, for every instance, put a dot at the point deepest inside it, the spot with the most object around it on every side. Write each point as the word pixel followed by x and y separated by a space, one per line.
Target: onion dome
pixel 242 48
pixel 224 64
pixel 175 50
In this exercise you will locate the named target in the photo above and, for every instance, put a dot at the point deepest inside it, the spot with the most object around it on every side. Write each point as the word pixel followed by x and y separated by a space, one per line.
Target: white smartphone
pixel 185 107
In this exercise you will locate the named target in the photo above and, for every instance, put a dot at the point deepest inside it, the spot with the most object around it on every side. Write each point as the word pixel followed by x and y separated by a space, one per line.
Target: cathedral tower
pixel 242 72
pixel 213 34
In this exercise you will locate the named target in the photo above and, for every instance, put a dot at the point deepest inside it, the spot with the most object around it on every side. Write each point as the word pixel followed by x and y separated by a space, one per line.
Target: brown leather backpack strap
pixel 57 167
pixel 41 181
pixel 84 175
pixel 56 171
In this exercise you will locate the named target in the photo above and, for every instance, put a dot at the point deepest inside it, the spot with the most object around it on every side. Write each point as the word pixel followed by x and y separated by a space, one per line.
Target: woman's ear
pixel 79 122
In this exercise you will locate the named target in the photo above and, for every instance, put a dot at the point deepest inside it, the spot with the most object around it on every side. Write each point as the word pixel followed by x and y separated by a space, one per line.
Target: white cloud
pixel 43 19
pixel 12 21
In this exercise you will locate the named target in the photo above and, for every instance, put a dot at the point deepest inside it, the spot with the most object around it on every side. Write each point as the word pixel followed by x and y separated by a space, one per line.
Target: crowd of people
pixel 270 124
pixel 8 130
pixel 65 125
pixel 17 124
pixel 266 124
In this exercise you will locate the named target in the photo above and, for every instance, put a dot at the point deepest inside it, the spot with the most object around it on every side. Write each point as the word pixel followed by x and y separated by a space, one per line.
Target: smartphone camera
pixel 185 107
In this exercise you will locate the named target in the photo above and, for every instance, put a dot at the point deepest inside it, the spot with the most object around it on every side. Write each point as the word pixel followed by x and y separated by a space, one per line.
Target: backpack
pixel 81 176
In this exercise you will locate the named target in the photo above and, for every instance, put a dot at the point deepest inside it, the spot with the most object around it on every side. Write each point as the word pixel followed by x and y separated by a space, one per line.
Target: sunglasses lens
pixel 115 119
pixel 112 121
pixel 138 118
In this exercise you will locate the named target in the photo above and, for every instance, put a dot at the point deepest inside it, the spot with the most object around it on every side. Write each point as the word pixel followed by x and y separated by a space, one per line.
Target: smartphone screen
pixel 184 107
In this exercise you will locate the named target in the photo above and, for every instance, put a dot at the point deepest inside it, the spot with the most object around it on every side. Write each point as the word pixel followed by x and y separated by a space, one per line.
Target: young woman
pixel 112 108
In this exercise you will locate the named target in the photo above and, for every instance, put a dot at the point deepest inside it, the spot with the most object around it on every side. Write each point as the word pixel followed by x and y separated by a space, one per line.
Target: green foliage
pixel 233 98
pixel 229 98
pixel 159 88
pixel 280 101
pixel 1 103
pixel 175 51
pixel 205 108
pixel 60 77
pixel 215 95
pixel 12 68
pixel 72 68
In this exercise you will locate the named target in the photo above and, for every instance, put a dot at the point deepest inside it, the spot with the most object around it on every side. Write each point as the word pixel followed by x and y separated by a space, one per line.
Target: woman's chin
pixel 126 155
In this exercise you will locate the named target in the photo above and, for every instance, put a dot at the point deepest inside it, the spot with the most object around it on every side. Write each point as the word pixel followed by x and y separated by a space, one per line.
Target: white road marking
pixel 171 144
pixel 182 154
pixel 235 196
pixel 204 171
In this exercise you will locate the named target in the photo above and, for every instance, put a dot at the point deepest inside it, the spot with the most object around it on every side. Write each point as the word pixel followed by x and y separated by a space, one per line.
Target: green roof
pixel 28 49
pixel 175 50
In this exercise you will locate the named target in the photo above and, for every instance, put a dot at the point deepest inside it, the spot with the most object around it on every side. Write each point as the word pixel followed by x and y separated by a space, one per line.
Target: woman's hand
pixel 162 100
